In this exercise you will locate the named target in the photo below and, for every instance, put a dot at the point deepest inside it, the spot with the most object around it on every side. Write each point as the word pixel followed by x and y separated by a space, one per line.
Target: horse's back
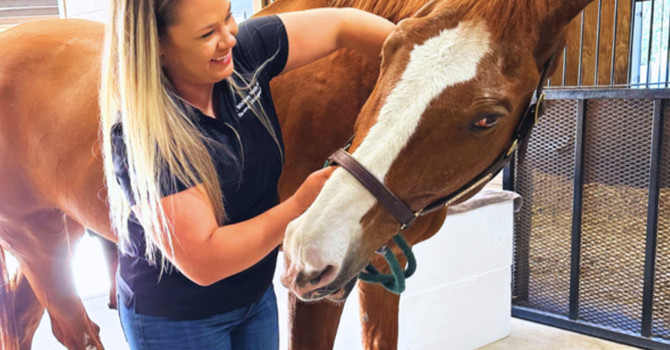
pixel 49 74
pixel 45 53
pixel 48 70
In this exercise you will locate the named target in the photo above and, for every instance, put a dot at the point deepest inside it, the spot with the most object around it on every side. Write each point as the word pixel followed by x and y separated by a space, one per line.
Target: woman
pixel 193 152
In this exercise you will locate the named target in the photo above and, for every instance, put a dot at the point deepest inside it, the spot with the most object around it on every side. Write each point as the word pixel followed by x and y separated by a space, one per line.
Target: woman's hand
pixel 310 188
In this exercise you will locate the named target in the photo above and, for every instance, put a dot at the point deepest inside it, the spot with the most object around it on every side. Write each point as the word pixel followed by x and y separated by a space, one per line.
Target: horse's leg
pixel 379 308
pixel 27 308
pixel 8 337
pixel 312 325
pixel 23 310
pixel 44 246
pixel 378 313
pixel 109 250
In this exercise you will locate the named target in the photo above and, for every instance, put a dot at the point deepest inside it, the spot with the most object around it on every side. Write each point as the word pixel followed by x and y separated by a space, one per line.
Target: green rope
pixel 395 281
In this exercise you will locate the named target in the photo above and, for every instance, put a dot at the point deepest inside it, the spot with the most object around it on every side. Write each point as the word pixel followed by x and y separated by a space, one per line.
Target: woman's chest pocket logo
pixel 251 97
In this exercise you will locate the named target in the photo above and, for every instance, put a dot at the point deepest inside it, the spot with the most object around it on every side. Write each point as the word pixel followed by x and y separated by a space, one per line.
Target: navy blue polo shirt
pixel 248 162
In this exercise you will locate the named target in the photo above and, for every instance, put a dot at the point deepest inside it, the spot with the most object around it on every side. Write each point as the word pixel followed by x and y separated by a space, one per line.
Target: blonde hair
pixel 158 136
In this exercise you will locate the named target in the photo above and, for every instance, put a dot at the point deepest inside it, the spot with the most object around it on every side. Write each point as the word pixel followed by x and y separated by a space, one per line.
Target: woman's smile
pixel 223 60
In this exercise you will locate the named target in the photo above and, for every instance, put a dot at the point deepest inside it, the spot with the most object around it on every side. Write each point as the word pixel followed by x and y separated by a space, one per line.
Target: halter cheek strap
pixel 389 200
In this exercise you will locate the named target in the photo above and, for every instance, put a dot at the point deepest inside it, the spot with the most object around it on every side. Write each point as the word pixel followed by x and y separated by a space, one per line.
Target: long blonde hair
pixel 159 137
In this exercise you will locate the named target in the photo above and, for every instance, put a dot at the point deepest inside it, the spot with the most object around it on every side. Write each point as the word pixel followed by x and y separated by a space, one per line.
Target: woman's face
pixel 197 48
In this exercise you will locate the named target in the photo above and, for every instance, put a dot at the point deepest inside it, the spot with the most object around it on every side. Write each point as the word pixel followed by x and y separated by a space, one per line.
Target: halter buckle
pixel 411 222
pixel 513 147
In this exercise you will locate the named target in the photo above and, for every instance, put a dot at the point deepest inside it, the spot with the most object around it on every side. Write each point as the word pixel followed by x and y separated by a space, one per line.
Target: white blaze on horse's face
pixel 321 238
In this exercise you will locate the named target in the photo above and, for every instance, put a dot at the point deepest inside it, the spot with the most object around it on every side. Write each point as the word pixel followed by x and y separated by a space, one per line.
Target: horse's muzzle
pixel 334 295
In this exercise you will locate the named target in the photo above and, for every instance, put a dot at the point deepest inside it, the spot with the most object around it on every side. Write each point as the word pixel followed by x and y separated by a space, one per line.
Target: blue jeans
pixel 252 327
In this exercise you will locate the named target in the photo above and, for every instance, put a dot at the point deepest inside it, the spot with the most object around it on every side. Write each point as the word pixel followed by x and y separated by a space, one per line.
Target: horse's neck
pixel 394 10
pixel 281 6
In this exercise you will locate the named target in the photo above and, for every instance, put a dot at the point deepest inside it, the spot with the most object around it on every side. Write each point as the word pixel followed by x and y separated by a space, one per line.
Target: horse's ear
pixel 555 15
pixel 560 12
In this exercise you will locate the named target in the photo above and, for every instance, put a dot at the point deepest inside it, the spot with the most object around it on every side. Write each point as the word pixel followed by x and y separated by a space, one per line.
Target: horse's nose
pixel 302 280
pixel 313 279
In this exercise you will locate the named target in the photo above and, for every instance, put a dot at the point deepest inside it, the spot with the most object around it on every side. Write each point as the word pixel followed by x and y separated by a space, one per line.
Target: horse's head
pixel 454 83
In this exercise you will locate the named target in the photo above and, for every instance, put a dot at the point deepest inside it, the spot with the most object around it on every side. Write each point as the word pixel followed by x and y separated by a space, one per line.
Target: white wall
pixel 86 9
pixel 460 297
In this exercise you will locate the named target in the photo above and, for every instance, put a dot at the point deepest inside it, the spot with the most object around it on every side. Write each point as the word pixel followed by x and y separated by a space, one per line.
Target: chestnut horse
pixel 454 80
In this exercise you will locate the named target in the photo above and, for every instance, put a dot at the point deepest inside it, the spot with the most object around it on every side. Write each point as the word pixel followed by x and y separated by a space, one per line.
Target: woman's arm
pixel 313 34
pixel 207 253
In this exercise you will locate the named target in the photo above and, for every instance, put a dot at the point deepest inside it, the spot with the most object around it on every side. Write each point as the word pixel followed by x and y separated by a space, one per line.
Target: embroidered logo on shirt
pixel 251 98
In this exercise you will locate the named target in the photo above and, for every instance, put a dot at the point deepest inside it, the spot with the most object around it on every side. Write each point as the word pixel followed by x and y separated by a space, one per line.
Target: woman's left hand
pixel 311 187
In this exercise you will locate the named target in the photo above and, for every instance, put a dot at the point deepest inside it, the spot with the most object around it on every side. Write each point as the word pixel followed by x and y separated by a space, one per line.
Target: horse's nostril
pixel 315 280
pixel 312 278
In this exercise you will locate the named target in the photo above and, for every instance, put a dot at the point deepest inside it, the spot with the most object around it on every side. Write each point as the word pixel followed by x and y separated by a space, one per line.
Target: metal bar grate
pixel 614 212
pixel 577 209
pixel 545 179
pixel 652 219
pixel 661 301
pixel 588 230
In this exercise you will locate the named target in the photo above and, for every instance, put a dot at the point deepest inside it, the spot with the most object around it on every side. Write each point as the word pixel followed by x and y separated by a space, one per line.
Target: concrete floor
pixel 525 334
pixel 530 335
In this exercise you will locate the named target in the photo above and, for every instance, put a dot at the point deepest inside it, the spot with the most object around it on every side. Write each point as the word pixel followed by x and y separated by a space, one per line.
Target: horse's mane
pixel 503 14
pixel 392 10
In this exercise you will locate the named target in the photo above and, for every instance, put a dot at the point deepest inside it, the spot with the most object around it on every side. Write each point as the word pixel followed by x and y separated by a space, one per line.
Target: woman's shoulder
pixel 262 40
pixel 258 26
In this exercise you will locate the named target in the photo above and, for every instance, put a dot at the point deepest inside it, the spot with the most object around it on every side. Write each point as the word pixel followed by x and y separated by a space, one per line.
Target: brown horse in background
pixel 51 169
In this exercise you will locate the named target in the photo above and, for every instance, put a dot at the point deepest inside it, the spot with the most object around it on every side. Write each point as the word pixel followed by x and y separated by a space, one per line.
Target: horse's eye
pixel 487 122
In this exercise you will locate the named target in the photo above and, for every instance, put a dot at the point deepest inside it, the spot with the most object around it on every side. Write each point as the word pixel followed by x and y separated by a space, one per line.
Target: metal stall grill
pixel 592 241
pixel 661 313
pixel 592 246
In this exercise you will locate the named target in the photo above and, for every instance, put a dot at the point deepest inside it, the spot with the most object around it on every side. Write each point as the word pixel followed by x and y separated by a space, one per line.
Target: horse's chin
pixel 335 295
pixel 339 288
pixel 341 295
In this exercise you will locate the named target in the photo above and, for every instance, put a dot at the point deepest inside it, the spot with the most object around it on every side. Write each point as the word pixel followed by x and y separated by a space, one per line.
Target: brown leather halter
pixel 400 210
